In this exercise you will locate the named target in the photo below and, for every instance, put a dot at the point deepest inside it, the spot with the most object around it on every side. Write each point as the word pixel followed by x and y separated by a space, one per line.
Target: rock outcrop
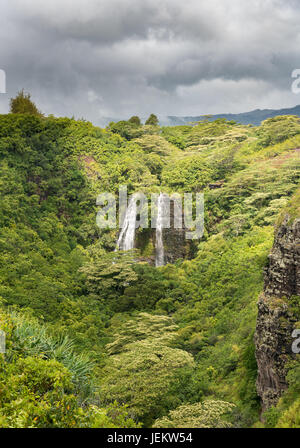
pixel 176 246
pixel 277 312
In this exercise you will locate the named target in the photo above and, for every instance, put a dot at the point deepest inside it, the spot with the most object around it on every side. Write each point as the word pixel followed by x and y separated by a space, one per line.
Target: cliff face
pixel 176 245
pixel 277 314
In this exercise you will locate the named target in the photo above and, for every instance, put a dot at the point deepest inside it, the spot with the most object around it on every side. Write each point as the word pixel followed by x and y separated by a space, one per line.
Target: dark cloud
pixel 92 58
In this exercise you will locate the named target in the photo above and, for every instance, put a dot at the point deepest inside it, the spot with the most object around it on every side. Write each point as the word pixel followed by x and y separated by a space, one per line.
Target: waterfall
pixel 127 234
pixel 159 246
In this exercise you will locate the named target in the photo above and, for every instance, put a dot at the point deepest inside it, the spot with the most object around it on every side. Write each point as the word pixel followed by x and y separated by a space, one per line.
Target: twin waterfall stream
pixel 159 245
pixel 127 234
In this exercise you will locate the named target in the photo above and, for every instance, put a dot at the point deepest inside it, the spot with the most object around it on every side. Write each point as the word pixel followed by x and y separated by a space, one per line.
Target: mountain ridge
pixel 254 117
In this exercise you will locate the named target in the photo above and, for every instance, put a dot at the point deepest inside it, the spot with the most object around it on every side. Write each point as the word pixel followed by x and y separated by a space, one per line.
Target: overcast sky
pixel 116 58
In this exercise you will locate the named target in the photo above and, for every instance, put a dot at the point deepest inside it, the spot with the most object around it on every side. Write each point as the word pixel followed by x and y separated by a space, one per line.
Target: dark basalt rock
pixel 282 276
pixel 276 318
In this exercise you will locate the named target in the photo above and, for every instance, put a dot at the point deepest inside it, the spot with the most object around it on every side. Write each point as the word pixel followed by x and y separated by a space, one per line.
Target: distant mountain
pixel 254 117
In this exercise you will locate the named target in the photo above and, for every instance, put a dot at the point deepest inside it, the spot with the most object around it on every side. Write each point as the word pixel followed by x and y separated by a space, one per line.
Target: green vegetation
pixel 96 338
pixel 45 384
pixel 22 104
pixel 152 120
pixel 135 119
pixel 200 415
pixel 286 413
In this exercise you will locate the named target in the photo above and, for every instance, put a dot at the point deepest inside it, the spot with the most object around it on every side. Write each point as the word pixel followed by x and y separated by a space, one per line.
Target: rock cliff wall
pixel 278 309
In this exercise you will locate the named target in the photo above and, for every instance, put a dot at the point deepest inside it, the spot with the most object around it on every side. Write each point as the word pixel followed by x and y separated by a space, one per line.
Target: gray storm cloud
pixel 116 58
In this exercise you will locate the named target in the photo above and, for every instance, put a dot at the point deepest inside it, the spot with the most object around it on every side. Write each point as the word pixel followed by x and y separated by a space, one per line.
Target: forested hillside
pixel 98 338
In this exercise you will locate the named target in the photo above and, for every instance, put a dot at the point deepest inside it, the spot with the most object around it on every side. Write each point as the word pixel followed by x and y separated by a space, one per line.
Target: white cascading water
pixel 126 237
pixel 127 234
pixel 159 246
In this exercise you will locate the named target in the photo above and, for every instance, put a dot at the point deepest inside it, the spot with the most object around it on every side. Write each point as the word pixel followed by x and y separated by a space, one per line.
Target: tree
pixel 142 367
pixel 208 414
pixel 110 274
pixel 158 328
pixel 135 120
pixel 126 129
pixel 22 104
pixel 152 120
